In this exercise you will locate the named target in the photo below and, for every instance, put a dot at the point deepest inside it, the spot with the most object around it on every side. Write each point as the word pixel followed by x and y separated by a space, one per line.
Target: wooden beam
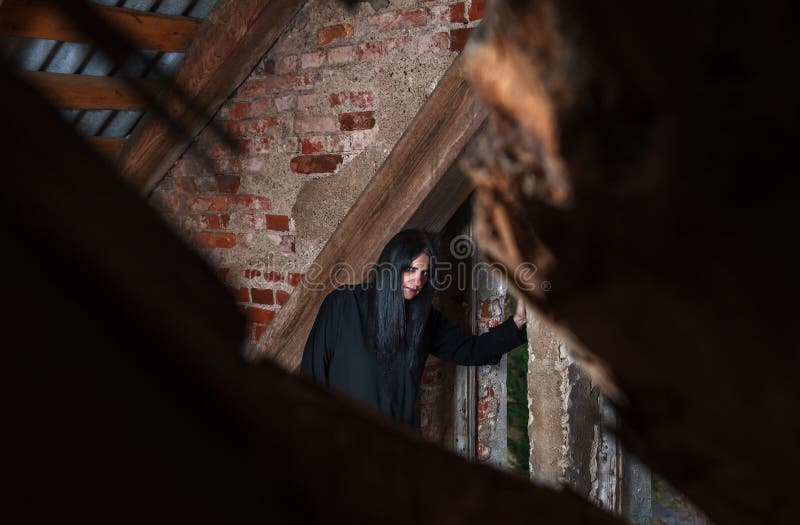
pixel 228 45
pixel 106 146
pixel 413 170
pixel 88 91
pixel 446 197
pixel 39 19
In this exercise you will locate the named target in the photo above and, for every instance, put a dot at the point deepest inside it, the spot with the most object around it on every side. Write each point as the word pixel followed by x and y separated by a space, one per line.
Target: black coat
pixel 337 355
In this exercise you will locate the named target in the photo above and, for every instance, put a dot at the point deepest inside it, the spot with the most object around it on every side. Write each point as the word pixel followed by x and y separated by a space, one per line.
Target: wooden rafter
pixel 39 19
pixel 228 45
pixel 107 147
pixel 397 193
pixel 88 91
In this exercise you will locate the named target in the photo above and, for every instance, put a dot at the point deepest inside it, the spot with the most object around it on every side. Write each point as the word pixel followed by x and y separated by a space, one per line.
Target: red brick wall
pixel 338 85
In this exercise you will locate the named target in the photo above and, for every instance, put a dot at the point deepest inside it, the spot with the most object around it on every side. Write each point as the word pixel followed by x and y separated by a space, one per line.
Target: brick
pixel 226 166
pixel 215 239
pixel 242 295
pixel 250 202
pixel 253 87
pixel 259 315
pixel 222 273
pixel 260 107
pixel 257 146
pixel 371 51
pixel 287 65
pixel 252 273
pixel 288 83
pixel 432 374
pixel 353 99
pixel 332 33
pixel 459 37
pixel 359 140
pixel 205 184
pixel 262 296
pixel 306 102
pixel 236 110
pixel 294 278
pixel 390 44
pixel 258 331
pixel 208 203
pixel 337 143
pixel 209 221
pixel 251 128
pixel 450 14
pixel 401 19
pixel 274 277
pixel 286 102
pixel 309 145
pixel 281 297
pixel 436 43
pixel 315 163
pixel 185 184
pixel 341 55
pixel 477 9
pixel 278 222
pixel 185 167
pixel 218 150
pixel 227 183
pixel 357 120
pixel 485 309
pixel 315 124
pixel 310 60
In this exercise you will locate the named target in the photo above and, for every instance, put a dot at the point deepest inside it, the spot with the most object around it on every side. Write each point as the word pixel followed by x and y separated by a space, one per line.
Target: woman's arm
pixel 451 343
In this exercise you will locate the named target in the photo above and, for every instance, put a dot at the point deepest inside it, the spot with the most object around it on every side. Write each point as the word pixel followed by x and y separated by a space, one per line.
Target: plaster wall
pixel 570 424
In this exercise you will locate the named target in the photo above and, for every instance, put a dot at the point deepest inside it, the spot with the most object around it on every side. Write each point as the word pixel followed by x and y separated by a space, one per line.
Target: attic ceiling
pixel 81 79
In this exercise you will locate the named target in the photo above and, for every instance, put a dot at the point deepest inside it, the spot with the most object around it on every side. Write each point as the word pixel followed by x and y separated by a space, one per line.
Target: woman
pixel 372 341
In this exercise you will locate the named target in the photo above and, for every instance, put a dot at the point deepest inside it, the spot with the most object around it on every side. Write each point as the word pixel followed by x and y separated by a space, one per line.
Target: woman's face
pixel 415 276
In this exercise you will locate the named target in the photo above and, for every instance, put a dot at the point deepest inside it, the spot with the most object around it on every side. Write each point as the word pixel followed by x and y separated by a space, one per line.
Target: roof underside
pixel 54 56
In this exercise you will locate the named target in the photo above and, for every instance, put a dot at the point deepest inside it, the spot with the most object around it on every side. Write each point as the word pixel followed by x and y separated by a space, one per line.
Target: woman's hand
pixel 520 316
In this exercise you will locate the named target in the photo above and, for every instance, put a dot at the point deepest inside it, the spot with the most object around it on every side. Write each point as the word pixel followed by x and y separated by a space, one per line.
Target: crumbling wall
pixel 492 442
pixel 570 423
pixel 312 124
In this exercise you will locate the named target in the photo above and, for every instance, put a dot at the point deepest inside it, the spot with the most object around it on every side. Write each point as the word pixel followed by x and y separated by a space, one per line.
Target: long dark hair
pixel 396 325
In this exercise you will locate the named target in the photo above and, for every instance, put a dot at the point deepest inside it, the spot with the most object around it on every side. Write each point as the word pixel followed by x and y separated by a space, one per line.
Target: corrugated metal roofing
pixel 85 59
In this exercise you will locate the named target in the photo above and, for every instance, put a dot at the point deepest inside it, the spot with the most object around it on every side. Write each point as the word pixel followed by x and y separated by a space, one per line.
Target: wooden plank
pixel 413 170
pixel 39 19
pixel 107 147
pixel 88 91
pixel 228 45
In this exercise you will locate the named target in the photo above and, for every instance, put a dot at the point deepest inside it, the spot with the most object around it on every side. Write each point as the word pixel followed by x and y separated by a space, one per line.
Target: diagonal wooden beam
pixel 40 19
pixel 88 91
pixel 413 170
pixel 228 45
